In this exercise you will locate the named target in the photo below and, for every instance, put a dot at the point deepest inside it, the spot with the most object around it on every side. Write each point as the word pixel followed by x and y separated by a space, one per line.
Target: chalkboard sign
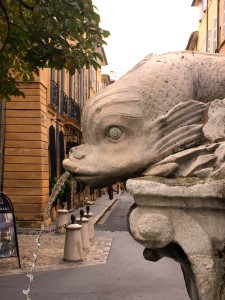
pixel 8 235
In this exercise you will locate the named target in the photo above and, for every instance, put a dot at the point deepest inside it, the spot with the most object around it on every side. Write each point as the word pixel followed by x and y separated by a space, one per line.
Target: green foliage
pixel 65 189
pixel 43 33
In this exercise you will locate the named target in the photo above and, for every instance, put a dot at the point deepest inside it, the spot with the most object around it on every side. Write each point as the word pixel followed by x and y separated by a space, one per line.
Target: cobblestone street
pixel 50 254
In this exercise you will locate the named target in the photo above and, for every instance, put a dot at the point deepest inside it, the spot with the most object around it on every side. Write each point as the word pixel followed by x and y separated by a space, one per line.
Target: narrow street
pixel 116 218
pixel 126 275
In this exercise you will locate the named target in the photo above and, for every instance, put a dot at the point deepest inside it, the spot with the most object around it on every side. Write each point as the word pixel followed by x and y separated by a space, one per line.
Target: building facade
pixel 210 36
pixel 36 134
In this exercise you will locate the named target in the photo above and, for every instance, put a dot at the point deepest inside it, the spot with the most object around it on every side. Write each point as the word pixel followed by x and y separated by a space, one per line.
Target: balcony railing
pixel 73 110
pixel 54 97
pixel 68 106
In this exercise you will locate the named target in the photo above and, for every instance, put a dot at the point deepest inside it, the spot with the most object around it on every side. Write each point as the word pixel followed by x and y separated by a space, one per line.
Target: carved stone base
pixel 183 218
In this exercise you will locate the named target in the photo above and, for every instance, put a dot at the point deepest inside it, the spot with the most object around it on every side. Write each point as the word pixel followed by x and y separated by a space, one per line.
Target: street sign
pixel 8 235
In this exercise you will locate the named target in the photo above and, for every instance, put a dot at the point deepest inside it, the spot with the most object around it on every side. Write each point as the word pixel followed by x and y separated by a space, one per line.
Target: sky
pixel 141 27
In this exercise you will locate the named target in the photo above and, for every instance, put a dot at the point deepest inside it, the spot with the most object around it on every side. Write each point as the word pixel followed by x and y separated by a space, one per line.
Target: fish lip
pixel 80 177
pixel 90 180
pixel 96 181
pixel 70 167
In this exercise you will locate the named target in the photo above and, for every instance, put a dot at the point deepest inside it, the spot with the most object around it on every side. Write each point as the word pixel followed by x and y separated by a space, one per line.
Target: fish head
pixel 115 146
pixel 137 121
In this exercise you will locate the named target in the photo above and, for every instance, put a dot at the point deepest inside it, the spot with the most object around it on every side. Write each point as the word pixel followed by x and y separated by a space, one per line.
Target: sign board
pixel 8 235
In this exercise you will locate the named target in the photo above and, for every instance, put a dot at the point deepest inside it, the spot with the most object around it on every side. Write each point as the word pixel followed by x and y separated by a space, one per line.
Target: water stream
pixel 56 189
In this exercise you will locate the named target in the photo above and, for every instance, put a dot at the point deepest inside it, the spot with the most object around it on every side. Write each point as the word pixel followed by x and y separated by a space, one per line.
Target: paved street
pixel 124 274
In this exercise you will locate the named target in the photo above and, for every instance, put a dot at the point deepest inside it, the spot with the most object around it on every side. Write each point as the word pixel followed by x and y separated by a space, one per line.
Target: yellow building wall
pixel 26 173
pixel 222 30
pixel 211 17
pixel 207 21
pixel 26 163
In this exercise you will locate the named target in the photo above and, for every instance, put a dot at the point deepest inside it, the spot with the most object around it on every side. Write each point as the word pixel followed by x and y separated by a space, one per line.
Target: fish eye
pixel 114 133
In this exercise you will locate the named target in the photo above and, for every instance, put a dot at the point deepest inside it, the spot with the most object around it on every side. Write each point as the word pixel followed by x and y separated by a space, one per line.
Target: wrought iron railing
pixel 54 96
pixel 73 110
pixel 64 103
pixel 68 106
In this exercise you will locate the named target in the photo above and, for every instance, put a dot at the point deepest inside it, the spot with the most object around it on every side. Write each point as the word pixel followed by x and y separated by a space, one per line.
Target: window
pixel 52 152
pixel 208 41
pixel 61 151
pixel 93 78
pixel 76 86
pixel 71 86
pixel 81 88
pixel 204 5
pixel 224 18
pixel 86 85
pixel 61 84
pixel 54 89
pixel 52 74
pixel 215 34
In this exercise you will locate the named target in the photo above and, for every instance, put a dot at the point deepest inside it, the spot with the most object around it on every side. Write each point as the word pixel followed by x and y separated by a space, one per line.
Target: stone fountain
pixel 162 126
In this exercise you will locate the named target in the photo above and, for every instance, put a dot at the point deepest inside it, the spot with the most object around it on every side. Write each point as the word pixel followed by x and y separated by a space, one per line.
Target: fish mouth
pixel 96 180
pixel 91 179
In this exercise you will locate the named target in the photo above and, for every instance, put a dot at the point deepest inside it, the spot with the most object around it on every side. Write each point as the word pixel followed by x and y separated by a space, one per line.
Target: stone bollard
pixel 62 220
pixel 84 232
pixel 73 244
pixel 91 228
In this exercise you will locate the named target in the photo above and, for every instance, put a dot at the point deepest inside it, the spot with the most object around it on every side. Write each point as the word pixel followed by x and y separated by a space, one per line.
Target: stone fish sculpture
pixel 143 123
pixel 163 126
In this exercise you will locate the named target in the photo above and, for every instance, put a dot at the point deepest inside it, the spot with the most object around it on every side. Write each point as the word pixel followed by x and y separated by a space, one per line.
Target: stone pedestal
pixel 84 233
pixel 73 245
pixel 91 228
pixel 183 218
pixel 62 219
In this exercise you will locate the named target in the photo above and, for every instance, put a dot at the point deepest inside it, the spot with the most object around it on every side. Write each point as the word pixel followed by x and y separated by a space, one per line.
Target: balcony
pixel 73 110
pixel 68 106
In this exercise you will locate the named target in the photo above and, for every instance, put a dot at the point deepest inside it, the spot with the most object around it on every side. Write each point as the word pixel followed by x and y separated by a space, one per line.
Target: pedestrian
pixel 110 192
pixel 92 192
pixel 122 187
pixel 117 187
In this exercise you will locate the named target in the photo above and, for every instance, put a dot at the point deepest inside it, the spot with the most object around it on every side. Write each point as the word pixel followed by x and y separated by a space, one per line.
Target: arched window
pixel 61 151
pixel 52 152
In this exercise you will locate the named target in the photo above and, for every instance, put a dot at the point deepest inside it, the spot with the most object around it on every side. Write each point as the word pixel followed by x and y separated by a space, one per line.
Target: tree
pixel 64 194
pixel 38 34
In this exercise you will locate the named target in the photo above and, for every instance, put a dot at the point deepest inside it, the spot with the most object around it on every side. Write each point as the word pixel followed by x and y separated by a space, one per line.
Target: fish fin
pixel 199 161
pixel 164 170
pixel 180 128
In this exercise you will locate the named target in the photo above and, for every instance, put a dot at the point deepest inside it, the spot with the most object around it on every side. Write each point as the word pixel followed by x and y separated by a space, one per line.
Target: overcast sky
pixel 141 27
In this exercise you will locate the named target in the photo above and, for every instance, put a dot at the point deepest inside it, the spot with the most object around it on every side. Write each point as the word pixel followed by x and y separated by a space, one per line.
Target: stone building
pixel 36 134
pixel 210 36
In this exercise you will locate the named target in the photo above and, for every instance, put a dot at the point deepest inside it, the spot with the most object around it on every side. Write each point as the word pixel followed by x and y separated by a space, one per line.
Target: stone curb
pixel 101 214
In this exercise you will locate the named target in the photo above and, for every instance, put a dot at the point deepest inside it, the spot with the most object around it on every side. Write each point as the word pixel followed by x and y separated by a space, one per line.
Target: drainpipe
pixel 2 141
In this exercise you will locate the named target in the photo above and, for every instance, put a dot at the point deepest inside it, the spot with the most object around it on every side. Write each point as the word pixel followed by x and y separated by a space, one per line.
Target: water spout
pixel 56 189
